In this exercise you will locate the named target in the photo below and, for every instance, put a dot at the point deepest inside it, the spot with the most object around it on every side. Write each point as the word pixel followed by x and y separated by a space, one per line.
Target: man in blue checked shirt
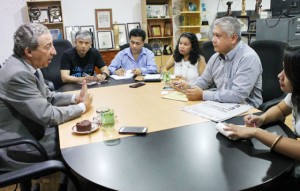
pixel 136 58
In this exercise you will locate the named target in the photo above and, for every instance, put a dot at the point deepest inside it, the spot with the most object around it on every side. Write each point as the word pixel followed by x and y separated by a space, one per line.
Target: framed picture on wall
pixel 131 26
pixel 105 40
pixel 70 33
pixel 103 19
pixel 123 39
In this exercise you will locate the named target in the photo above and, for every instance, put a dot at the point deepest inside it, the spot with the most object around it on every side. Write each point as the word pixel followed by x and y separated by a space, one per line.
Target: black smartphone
pixel 137 85
pixel 133 130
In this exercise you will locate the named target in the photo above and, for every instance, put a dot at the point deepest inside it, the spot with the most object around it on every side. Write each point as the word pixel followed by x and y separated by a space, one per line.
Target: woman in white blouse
pixel 187 60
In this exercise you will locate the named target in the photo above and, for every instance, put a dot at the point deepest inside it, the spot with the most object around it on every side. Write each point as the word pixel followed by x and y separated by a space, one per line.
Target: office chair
pixel 207 50
pixel 146 45
pixel 23 176
pixel 271 56
pixel 52 72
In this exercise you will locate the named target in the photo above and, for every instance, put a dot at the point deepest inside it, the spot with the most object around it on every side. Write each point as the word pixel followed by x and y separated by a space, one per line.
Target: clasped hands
pixel 97 78
pixel 192 93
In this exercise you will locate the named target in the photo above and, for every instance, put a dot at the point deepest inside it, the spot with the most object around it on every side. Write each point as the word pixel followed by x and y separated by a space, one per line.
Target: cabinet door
pixel 108 56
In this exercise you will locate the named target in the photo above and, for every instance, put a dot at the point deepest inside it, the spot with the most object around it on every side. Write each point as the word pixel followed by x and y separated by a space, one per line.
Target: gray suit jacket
pixel 28 108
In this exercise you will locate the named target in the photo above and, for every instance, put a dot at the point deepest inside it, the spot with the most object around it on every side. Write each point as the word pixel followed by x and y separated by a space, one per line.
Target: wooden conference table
pixel 180 152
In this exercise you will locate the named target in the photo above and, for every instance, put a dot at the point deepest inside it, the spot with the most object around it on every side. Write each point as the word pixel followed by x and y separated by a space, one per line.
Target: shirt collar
pixel 127 51
pixel 231 54
pixel 30 67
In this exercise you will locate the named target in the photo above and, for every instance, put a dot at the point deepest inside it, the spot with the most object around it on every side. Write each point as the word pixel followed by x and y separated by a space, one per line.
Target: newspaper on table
pixel 216 111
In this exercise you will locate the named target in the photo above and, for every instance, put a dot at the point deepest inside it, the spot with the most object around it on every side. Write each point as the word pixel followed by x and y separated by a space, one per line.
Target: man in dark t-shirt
pixel 78 63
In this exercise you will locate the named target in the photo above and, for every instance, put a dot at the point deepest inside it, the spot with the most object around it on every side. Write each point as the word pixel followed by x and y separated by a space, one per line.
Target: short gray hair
pixel 229 25
pixel 83 34
pixel 27 36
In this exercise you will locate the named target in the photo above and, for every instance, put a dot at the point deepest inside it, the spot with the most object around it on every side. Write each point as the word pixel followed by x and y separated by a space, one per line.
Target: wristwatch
pixel 106 75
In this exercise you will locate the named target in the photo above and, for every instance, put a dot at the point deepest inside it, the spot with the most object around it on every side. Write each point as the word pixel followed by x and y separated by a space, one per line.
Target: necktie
pixel 37 75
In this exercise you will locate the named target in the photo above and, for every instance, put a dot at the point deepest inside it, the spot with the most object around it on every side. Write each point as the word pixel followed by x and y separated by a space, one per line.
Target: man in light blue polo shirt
pixel 136 58
pixel 233 74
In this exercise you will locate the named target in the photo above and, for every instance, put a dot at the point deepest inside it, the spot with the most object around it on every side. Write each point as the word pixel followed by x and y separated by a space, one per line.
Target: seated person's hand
pixel 240 132
pixel 254 120
pixel 180 86
pixel 120 72
pixel 84 90
pixel 87 100
pixel 100 77
pixel 89 79
pixel 136 71
pixel 194 93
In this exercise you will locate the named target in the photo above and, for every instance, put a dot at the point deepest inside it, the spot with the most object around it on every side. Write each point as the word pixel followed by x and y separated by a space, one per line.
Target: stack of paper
pixel 217 111
pixel 152 78
pixel 128 74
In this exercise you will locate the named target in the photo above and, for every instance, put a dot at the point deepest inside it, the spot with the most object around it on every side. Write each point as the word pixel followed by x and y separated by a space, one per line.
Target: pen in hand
pixel 251 115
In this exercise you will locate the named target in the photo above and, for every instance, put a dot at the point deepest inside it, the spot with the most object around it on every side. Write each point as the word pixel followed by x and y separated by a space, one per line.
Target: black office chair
pixel 23 176
pixel 146 45
pixel 207 50
pixel 52 72
pixel 271 56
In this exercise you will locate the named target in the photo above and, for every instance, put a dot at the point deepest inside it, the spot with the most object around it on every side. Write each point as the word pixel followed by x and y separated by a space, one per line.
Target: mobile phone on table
pixel 137 85
pixel 133 130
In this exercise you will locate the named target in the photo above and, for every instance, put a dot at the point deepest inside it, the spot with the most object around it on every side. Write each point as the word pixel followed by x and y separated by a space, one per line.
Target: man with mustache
pixel 27 107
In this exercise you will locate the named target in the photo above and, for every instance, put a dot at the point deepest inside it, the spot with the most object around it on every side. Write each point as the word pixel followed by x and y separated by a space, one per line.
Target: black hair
pixel 291 60
pixel 195 50
pixel 138 33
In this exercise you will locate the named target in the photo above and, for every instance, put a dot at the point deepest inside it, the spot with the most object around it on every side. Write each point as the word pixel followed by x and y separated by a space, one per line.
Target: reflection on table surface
pixel 141 106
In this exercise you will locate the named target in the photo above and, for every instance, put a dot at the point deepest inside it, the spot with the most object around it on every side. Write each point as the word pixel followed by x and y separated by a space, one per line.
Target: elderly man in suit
pixel 27 107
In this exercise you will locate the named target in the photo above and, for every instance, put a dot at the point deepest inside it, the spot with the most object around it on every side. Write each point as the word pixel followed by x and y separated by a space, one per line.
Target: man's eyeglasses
pixel 137 43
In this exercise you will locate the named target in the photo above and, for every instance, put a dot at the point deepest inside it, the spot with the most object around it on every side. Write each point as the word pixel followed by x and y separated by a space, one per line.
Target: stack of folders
pixel 216 111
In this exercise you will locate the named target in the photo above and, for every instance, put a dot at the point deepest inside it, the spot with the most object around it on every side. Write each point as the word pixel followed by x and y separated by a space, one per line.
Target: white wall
pixel 81 12
pixel 75 12
pixel 11 16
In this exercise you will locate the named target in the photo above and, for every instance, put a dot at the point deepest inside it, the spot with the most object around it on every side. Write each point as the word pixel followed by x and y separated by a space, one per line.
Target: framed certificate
pixel 70 33
pixel 131 26
pixel 105 40
pixel 103 19
pixel 44 16
pixel 123 38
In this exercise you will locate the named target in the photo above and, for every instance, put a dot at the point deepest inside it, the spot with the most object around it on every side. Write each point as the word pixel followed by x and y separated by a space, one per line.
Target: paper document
pixel 152 77
pixel 216 111
pixel 128 74
pixel 176 96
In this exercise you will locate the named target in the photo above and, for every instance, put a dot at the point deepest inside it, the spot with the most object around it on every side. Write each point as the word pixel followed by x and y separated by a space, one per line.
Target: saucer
pixel 94 128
